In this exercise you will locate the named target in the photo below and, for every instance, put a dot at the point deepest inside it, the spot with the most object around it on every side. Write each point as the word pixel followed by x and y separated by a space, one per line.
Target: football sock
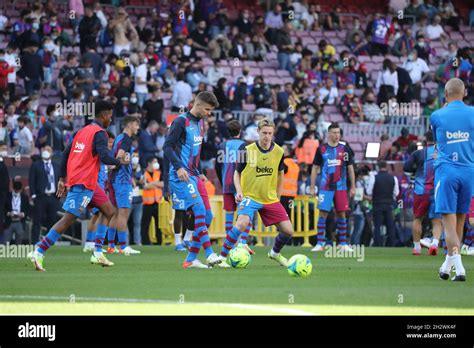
pixel 435 243
pixel 342 230
pixel 230 241
pixel 469 234
pixel 245 235
pixel 188 235
pixel 229 220
pixel 447 264
pixel 417 246
pixel 48 241
pixel 209 217
pixel 456 260
pixel 122 239
pixel 100 237
pixel 111 237
pixel 280 241
pixel 90 237
pixel 177 238
pixel 200 232
pixel 321 230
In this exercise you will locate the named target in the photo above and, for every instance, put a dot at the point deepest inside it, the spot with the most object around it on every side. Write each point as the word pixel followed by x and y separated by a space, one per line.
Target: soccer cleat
pixel 111 250
pixel 426 242
pixel 223 263
pixel 416 252
pixel 194 264
pixel 37 259
pixel 433 250
pixel 318 247
pixel 464 249
pixel 213 259
pixel 180 247
pixel 89 247
pixel 246 247
pixel 443 276
pixel 101 260
pixel 459 278
pixel 127 251
pixel 345 247
pixel 470 251
pixel 278 258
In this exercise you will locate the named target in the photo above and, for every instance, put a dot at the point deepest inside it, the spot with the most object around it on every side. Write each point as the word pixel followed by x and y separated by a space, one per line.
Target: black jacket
pixel 25 208
pixel 38 179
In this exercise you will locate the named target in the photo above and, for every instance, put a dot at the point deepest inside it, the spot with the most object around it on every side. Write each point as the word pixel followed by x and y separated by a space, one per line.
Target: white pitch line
pixel 287 311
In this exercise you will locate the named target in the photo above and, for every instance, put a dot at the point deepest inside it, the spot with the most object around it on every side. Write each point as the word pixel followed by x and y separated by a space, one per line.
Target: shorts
pixel 203 192
pixel 95 210
pixel 453 189
pixel 421 205
pixel 326 199
pixel 229 202
pixel 185 194
pixel 271 214
pixel 121 195
pixel 119 48
pixel 471 212
pixel 432 214
pixel 77 199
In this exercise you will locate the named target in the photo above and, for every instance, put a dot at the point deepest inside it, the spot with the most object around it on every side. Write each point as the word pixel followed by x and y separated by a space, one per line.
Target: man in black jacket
pixel 17 208
pixel 383 187
pixel 89 27
pixel 31 69
pixel 43 181
pixel 4 182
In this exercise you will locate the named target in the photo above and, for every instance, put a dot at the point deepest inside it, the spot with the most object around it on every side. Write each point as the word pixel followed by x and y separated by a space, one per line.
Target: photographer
pixel 17 209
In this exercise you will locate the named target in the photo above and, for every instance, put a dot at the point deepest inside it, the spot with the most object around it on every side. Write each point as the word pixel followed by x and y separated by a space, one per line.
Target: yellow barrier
pixel 300 217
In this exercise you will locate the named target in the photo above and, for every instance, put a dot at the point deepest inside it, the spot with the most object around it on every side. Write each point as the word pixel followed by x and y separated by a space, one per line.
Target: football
pixel 299 266
pixel 239 258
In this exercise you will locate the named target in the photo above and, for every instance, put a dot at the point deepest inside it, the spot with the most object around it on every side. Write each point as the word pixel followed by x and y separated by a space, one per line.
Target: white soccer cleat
pixel 37 259
pixel 465 249
pixel 213 259
pixel 426 242
pixel 318 247
pixel 128 251
pixel 89 247
pixel 470 251
pixel 345 247
pixel 194 264
pixel 223 263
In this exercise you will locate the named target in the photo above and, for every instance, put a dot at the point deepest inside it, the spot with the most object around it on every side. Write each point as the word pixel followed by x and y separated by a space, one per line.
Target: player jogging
pixel 453 131
pixel 334 160
pixel 258 179
pixel 91 227
pixel 182 148
pixel 231 156
pixel 121 188
pixel 80 166
pixel 421 162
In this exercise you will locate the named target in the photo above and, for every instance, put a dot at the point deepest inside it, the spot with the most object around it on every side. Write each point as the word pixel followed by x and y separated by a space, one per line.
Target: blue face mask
pixel 349 91
pixel 36 26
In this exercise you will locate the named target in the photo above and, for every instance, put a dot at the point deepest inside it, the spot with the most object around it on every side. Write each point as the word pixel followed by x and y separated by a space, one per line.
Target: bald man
pixel 453 130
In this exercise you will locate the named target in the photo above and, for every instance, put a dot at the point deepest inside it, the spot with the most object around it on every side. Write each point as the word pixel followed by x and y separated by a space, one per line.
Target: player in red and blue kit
pixel 231 152
pixel 421 162
pixel 121 188
pixel 182 148
pixel 453 130
pixel 334 161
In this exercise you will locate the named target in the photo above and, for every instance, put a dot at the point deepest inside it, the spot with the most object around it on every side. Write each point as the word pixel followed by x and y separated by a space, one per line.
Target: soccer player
pixel 121 188
pixel 230 152
pixel 468 248
pixel 182 148
pixel 258 179
pixel 453 130
pixel 335 161
pixel 421 162
pixel 80 167
pixel 91 227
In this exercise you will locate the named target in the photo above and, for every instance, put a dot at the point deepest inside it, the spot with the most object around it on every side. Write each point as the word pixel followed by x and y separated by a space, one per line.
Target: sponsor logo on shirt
pixel 334 162
pixel 457 137
pixel 197 140
pixel 79 147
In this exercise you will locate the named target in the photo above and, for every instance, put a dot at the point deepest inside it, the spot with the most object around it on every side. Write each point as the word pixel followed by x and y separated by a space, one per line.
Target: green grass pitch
pixel 387 282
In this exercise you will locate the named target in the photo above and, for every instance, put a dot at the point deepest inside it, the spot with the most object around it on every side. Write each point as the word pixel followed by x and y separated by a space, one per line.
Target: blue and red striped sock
pixel 90 237
pixel 122 239
pixel 100 233
pixel 209 217
pixel 469 234
pixel 321 230
pixel 48 241
pixel 280 241
pixel 229 221
pixel 200 232
pixel 245 235
pixel 111 236
pixel 230 241
pixel 342 230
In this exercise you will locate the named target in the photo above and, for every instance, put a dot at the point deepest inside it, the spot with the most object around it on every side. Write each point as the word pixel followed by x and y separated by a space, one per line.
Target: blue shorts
pixel 453 189
pixel 185 194
pixel 432 211
pixel 270 213
pixel 77 199
pixel 327 198
pixel 121 195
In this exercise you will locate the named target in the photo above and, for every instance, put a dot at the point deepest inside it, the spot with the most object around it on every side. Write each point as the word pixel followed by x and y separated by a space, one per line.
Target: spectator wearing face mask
pixel 152 194
pixel 17 209
pixel 43 181
pixel 418 70
pixel 51 132
pixel 350 106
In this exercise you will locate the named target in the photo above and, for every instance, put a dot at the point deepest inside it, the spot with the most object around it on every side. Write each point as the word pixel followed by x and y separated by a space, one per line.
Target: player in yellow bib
pixel 258 178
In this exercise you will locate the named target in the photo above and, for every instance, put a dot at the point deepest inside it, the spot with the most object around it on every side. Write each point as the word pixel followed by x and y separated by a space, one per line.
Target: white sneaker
pixel 345 247
pixel 213 259
pixel 470 251
pixel 464 249
pixel 426 242
pixel 194 264
pixel 318 247
pixel 223 263
pixel 89 247
pixel 37 259
pixel 128 251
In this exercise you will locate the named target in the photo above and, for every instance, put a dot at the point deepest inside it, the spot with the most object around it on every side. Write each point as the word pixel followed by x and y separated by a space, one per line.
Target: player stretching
pixel 80 166
pixel 421 162
pixel 91 227
pixel 258 179
pixel 182 148
pixel 335 161
pixel 230 152
pixel 453 130
pixel 121 188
